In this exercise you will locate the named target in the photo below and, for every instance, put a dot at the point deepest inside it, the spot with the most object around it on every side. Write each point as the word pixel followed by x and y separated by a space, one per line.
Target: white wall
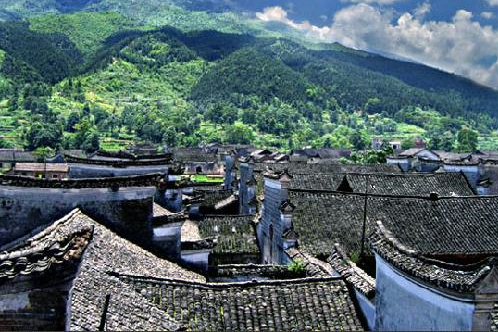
pixel 403 304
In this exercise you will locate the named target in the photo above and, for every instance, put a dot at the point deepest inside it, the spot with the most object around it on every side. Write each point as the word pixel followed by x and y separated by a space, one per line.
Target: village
pixel 234 238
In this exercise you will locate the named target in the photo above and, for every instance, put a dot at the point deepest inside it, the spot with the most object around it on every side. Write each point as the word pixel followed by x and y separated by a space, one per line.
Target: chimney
pixel 434 197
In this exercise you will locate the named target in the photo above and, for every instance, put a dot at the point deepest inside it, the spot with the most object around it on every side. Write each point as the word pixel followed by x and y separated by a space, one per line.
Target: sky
pixel 458 36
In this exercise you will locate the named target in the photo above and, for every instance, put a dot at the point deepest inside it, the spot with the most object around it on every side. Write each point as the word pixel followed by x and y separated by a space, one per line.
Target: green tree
pixel 467 140
pixel 87 137
pixel 447 141
pixel 360 139
pixel 407 143
pixel 239 133
pixel 43 135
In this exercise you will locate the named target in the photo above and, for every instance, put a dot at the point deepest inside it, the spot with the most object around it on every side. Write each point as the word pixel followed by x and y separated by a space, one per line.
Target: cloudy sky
pixel 459 36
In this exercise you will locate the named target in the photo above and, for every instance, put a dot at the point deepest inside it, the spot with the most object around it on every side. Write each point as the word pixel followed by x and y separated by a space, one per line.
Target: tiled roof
pixel 11 156
pixel 462 278
pixel 293 305
pixel 442 227
pixel 158 211
pixel 323 219
pixel 330 168
pixel 317 181
pixel 62 242
pixel 116 162
pixel 190 231
pixel 254 271
pixel 193 155
pixel 438 227
pixel 106 253
pixel 212 197
pixel 103 252
pixel 41 167
pixel 313 266
pixel 235 234
pixel 351 273
pixel 148 180
pixel 444 184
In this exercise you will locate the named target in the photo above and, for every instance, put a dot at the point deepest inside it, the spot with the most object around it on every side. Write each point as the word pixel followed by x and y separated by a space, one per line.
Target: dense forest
pixel 84 74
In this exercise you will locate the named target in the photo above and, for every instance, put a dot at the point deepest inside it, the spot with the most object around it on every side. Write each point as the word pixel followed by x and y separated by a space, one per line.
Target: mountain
pixel 166 72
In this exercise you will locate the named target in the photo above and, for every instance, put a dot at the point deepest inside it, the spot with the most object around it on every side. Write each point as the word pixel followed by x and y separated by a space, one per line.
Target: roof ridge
pixel 361 194
pixel 252 283
pixel 213 216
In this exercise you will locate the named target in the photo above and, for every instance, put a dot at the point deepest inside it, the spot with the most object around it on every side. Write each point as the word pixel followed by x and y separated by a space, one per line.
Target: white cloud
pixel 462 46
pixel 422 10
pixel 380 2
pixel 492 2
pixel 487 15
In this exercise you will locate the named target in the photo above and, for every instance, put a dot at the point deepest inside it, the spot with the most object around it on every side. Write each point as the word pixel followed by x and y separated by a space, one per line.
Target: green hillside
pixel 111 76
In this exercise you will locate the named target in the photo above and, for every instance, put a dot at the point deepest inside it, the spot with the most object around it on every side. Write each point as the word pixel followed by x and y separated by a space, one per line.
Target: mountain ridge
pixel 128 80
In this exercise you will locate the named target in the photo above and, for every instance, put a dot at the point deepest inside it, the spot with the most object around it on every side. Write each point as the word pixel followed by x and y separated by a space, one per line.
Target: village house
pixel 317 155
pixel 61 278
pixel 9 157
pixel 198 161
pixel 124 204
pixel 76 274
pixel 41 170
pixel 425 259
pixel 115 164
pixel 436 264
pixel 219 240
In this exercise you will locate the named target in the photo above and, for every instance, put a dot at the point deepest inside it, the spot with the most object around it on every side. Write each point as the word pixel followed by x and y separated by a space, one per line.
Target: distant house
pixel 9 157
pixel 304 155
pixel 198 161
pixel 233 237
pixel 41 170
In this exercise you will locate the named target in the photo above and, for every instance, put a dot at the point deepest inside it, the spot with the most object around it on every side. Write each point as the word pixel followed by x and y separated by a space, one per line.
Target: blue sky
pixel 458 36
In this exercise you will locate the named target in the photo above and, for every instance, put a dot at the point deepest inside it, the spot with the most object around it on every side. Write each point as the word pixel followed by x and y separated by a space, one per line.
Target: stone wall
pixel 230 174
pixel 128 211
pixel 247 192
pixel 271 227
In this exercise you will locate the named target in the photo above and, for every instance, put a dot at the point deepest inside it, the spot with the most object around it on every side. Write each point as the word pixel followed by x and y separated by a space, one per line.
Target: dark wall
pixel 128 211
pixel 80 171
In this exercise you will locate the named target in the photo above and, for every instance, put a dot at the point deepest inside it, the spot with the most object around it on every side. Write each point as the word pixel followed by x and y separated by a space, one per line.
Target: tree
pixel 87 137
pixel 239 133
pixel 407 143
pixel 360 139
pixel 44 135
pixel 467 140
pixel 42 153
pixel 447 141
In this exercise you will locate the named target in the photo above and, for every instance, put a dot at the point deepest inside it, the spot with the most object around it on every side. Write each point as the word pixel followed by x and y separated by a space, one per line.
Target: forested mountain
pixel 81 75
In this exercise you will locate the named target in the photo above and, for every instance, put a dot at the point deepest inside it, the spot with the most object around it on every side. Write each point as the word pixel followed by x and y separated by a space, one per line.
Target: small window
pixel 55 176
pixel 198 169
